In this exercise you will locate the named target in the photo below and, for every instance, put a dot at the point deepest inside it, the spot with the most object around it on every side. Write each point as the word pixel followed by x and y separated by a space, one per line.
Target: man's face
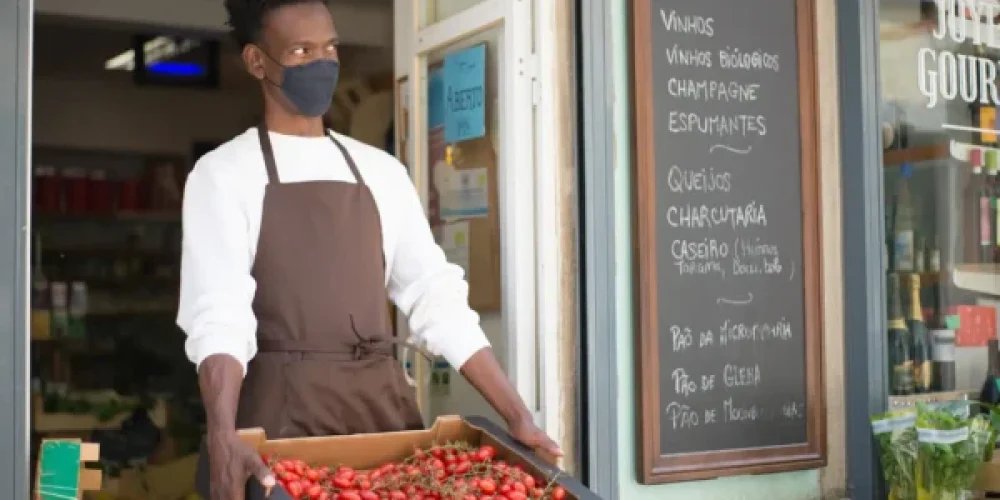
pixel 291 36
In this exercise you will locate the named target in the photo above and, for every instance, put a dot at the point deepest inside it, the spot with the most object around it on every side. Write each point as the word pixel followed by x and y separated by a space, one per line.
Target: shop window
pixel 941 159
pixel 438 10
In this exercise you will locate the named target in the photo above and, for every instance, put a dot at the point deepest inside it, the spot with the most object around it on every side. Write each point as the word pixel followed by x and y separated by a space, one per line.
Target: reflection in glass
pixel 938 63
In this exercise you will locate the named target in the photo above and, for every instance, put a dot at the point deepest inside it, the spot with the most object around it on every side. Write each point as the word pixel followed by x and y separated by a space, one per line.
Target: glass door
pixel 471 126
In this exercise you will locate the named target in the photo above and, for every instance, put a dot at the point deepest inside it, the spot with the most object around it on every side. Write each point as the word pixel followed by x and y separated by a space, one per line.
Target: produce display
pixel 950 450
pixel 897 441
pixel 454 471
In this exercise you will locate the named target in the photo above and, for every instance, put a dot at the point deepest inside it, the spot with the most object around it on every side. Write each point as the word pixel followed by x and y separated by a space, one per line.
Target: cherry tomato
pixel 348 495
pixel 519 487
pixel 485 452
pixel 529 481
pixel 488 486
pixel 397 495
pixel 516 495
pixel 278 469
pixel 537 493
pixel 342 482
pixel 314 491
pixel 558 493
pixel 294 489
pixel 369 495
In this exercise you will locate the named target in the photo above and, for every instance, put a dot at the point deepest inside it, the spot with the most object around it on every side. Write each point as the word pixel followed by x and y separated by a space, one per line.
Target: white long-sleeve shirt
pixel 223 202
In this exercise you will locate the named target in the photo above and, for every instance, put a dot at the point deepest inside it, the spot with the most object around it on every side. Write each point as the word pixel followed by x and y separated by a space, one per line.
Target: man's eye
pixel 331 48
pixel 299 51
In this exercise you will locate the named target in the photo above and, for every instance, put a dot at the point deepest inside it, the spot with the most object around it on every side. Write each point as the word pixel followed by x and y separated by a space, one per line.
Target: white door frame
pixel 527 194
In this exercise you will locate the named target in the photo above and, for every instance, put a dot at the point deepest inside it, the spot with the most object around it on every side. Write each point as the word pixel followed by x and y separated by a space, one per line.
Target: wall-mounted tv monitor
pixel 169 61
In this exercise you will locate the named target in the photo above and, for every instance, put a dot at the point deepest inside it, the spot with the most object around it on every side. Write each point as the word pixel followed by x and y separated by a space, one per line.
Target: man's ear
pixel 253 60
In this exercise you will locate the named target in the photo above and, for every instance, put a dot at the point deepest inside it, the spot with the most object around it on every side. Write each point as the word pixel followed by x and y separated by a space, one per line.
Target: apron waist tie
pixel 363 349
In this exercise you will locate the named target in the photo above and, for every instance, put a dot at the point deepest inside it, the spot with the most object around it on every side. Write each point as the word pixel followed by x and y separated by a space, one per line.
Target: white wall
pixel 367 22
pixel 118 116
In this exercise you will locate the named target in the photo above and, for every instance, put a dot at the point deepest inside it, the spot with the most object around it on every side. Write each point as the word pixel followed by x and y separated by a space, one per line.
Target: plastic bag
pixel 949 453
pixel 897 442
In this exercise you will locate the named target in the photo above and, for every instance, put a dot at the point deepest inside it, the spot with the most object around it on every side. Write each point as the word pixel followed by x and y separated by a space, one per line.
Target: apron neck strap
pixel 272 167
pixel 347 157
pixel 265 147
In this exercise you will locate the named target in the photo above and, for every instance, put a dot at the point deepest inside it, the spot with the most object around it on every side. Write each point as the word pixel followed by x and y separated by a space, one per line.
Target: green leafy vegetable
pixel 950 451
pixel 897 442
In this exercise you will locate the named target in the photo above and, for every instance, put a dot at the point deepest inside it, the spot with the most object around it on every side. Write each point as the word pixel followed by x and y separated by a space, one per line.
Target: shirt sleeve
pixel 430 291
pixel 216 289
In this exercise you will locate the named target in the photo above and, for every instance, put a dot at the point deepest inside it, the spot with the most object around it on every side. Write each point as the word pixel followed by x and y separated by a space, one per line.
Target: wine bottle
pixel 902 226
pixel 943 347
pixel 899 341
pixel 983 197
pixel 921 354
pixel 994 190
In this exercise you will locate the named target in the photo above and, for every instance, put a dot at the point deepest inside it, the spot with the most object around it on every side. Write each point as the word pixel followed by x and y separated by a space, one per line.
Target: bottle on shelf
pixel 60 309
pixel 41 297
pixel 77 310
pixel 919 256
pixel 943 347
pixel 933 257
pixel 984 211
pixel 899 341
pixel 990 393
pixel 993 187
pixel 921 353
pixel 903 224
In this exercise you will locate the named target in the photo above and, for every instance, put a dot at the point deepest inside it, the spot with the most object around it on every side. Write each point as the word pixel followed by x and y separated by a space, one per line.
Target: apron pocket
pixel 336 397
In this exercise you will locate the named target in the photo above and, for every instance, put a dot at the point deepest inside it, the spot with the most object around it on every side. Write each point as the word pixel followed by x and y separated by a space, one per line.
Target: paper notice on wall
pixel 455 243
pixel 465 194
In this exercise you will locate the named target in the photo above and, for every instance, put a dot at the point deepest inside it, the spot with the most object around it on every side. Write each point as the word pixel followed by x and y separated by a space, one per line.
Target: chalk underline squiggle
pixel 730 149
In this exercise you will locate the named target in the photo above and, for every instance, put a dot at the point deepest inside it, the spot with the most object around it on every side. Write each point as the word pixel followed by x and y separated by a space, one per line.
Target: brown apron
pixel 325 363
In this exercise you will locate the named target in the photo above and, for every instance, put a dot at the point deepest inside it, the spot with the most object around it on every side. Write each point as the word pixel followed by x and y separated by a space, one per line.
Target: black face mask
pixel 309 87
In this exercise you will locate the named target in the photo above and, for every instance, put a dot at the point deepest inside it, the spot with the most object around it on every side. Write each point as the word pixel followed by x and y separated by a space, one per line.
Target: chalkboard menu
pixel 727 238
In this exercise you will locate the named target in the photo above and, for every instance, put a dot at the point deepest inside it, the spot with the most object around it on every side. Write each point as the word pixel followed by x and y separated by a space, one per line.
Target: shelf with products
pixel 979 278
pixel 894 158
pixel 171 216
pixel 105 266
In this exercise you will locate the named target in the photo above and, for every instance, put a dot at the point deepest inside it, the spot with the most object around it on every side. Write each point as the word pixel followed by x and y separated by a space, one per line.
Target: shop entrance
pixel 126 101
pixel 473 161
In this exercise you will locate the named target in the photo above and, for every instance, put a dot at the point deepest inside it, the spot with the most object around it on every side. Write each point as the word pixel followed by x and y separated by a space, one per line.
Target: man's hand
pixel 485 374
pixel 531 436
pixel 232 463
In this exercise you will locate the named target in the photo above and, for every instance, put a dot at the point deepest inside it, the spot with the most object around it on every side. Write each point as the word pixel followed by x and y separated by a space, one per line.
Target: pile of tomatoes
pixel 456 471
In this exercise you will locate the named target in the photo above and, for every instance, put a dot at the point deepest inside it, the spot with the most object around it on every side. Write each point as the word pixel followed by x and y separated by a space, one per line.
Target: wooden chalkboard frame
pixel 653 466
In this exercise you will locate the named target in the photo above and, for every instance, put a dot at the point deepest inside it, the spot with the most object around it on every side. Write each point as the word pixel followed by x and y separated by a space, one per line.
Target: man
pixel 294 240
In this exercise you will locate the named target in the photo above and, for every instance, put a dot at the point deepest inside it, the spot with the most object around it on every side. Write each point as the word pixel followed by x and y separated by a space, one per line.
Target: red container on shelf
pixel 99 192
pixel 129 199
pixel 49 189
pixel 76 190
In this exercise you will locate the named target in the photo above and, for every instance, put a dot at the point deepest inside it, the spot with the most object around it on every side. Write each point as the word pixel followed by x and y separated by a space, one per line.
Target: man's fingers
pixel 552 448
pixel 260 470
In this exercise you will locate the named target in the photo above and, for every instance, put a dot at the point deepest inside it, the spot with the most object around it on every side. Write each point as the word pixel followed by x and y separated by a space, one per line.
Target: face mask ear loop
pixel 275 61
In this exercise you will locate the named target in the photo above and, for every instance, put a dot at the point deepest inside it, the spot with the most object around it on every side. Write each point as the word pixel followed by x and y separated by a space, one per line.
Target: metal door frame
pixel 866 389
pixel 15 147
pixel 596 146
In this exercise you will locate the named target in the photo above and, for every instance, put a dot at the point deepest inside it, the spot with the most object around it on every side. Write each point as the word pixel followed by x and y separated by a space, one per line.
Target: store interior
pixel 940 178
pixel 110 151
